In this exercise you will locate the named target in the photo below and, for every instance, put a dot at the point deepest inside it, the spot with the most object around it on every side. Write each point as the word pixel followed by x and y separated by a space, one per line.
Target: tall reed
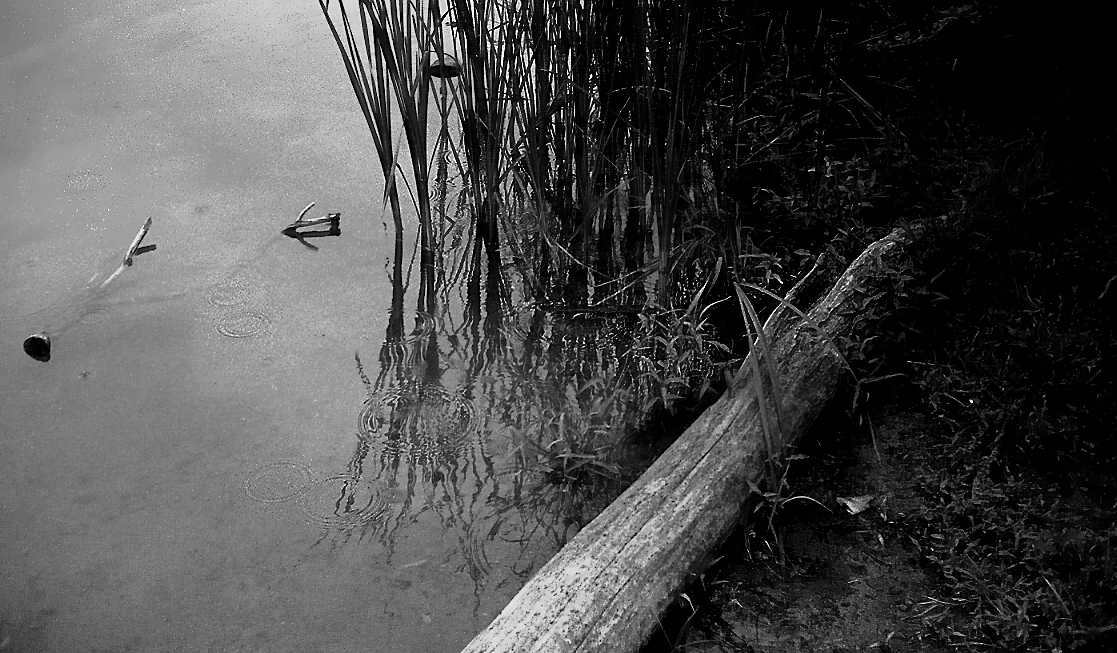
pixel 385 60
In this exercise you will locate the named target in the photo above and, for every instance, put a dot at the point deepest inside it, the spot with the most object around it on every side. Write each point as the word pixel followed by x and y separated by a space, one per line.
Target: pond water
pixel 242 443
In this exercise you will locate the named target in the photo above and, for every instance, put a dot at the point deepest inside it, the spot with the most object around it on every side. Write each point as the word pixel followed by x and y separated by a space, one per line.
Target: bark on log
pixel 607 588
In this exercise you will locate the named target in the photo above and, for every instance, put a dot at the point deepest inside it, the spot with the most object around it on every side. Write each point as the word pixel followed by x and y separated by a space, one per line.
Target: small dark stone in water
pixel 444 66
pixel 37 346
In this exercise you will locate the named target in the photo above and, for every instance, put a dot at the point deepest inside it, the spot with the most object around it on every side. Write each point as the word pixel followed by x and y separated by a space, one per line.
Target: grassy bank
pixel 1003 336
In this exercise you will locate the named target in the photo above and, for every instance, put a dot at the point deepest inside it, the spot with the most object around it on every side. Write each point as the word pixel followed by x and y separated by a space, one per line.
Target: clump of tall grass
pixel 385 60
pixel 581 115
pixel 597 143
pixel 387 47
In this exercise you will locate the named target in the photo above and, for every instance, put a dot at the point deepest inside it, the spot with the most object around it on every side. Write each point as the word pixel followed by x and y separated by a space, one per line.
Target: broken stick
pixel 37 345
pixel 128 255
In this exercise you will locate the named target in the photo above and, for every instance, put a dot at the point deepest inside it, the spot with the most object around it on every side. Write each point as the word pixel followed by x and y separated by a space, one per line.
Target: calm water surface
pixel 241 444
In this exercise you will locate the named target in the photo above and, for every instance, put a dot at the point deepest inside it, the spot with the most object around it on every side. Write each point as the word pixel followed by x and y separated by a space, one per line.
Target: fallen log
pixel 607 588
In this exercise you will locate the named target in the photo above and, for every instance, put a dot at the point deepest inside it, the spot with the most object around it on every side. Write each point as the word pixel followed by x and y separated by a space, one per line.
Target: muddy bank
pixel 830 580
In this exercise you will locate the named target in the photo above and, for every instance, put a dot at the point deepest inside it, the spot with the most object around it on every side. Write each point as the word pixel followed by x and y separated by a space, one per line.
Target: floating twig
pixel 130 254
pixel 331 220
pixel 37 345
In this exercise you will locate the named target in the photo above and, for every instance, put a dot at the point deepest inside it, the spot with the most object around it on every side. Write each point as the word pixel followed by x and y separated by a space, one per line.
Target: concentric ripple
pixel 279 482
pixel 476 560
pixel 243 325
pixel 346 504
pixel 395 349
pixel 423 422
pixel 226 294
pixel 233 290
pixel 94 315
pixel 425 325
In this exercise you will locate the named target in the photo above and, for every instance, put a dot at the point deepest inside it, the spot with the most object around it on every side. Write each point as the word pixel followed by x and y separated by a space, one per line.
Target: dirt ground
pixel 843 581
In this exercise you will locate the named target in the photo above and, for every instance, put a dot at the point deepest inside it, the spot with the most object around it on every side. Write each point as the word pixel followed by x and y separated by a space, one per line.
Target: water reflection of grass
pixel 588 238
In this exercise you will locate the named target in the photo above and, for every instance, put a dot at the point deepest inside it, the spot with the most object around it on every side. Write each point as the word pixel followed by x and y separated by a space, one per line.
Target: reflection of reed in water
pixel 535 508
pixel 396 352
pixel 423 424
pixel 422 439
pixel 345 504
